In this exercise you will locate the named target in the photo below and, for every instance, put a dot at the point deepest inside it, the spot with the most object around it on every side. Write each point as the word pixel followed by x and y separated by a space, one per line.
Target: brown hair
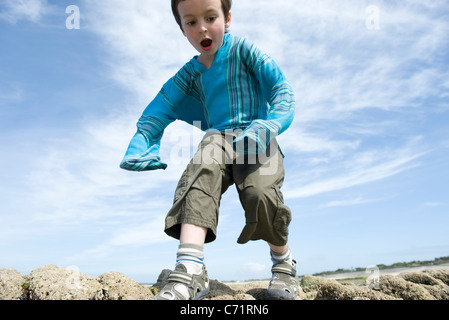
pixel 225 5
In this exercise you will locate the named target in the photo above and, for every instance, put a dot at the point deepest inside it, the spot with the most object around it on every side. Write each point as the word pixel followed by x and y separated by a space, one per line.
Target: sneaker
pixel 284 283
pixel 184 286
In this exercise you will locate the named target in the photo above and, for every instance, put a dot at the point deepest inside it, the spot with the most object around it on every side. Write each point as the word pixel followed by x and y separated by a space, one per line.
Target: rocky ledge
pixel 55 283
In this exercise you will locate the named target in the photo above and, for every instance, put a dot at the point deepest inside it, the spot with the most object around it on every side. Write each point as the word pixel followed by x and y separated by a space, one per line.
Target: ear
pixel 228 20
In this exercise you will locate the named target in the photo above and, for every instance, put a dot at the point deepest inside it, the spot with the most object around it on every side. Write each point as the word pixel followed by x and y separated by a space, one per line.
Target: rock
pixel 333 290
pixel 442 275
pixel 435 286
pixel 238 296
pixel 398 287
pixel 420 278
pixel 221 291
pixel 428 285
pixel 12 285
pixel 319 288
pixel 55 283
pixel 311 284
pixel 162 279
pixel 117 286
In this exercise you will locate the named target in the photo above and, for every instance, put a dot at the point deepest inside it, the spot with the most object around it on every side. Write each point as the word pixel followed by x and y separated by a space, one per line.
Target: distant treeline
pixel 394 265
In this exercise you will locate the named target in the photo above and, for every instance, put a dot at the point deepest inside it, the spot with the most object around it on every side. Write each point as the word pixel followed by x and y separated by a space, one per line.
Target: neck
pixel 206 61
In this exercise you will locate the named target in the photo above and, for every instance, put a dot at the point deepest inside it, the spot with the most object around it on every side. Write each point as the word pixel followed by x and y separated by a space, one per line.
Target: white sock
pixel 191 256
pixel 285 256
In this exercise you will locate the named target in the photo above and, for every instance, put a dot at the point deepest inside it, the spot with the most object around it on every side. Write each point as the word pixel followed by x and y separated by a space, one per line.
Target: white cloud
pixel 434 204
pixel 142 234
pixel 297 139
pixel 145 46
pixel 358 169
pixel 254 267
pixel 10 93
pixel 15 10
pixel 336 65
pixel 351 202
pixel 78 179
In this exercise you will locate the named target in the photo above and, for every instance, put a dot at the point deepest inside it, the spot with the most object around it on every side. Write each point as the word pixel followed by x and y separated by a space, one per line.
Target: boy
pixel 243 100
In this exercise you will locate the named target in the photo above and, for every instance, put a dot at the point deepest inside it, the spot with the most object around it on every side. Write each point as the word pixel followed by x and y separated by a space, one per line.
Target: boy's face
pixel 204 25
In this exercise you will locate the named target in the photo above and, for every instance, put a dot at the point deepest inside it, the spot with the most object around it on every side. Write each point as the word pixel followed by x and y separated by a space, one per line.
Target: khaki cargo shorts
pixel 211 171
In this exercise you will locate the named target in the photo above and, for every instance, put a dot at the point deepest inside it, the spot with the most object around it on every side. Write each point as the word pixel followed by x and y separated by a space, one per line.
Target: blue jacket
pixel 243 89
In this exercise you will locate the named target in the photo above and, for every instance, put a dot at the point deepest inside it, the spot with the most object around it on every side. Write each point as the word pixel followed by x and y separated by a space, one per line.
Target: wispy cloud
pixel 137 235
pixel 358 169
pixel 255 268
pixel 145 46
pixel 434 204
pixel 75 180
pixel 15 10
pixel 349 202
pixel 10 93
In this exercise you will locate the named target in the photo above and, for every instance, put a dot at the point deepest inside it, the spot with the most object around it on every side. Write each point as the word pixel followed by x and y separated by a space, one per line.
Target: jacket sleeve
pixel 280 97
pixel 143 150
pixel 173 102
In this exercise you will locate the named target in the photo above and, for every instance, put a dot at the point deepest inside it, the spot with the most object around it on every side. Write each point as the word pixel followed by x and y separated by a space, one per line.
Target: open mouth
pixel 206 44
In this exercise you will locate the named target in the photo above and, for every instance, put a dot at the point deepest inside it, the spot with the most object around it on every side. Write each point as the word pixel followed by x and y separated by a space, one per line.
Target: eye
pixel 190 23
pixel 211 19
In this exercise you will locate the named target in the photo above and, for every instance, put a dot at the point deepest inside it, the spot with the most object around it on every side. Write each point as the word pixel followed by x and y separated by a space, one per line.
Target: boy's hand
pixel 249 143
pixel 142 157
pixel 139 163
pixel 255 139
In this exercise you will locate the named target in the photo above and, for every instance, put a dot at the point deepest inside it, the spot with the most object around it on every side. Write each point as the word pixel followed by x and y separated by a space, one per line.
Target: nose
pixel 202 28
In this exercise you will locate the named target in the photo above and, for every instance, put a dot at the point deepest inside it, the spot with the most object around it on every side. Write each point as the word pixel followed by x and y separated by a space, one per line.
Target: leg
pixel 193 220
pixel 193 234
pixel 278 249
pixel 259 187
pixel 190 250
pixel 281 255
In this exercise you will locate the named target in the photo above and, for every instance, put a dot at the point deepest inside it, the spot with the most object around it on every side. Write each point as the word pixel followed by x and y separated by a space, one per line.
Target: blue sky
pixel 366 157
